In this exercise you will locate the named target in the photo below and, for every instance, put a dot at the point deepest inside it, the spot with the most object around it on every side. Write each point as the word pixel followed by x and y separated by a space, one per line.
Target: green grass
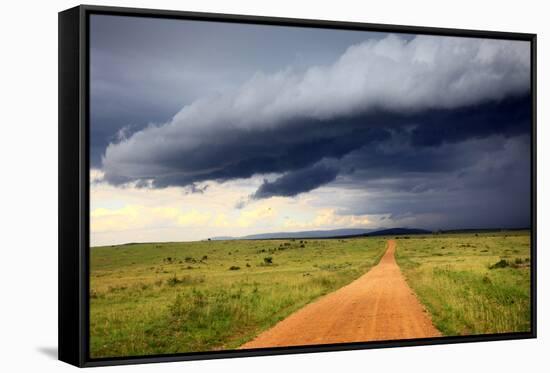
pixel 200 296
pixel 471 283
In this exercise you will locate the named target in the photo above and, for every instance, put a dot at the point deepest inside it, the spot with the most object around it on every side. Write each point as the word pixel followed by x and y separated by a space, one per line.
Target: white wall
pixel 28 191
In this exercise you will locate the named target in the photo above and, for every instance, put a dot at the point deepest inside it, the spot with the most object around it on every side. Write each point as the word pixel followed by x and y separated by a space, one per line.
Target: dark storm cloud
pixel 143 70
pixel 291 119
pixel 435 128
pixel 294 183
pixel 481 182
pixel 232 154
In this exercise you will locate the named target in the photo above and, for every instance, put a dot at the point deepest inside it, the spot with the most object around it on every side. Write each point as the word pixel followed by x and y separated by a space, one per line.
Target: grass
pixel 471 283
pixel 163 298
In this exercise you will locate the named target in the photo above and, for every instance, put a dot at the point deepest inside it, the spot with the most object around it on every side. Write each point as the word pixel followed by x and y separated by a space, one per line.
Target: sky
pixel 204 129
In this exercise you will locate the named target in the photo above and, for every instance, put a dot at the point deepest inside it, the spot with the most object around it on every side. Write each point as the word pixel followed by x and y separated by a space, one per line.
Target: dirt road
pixel 379 305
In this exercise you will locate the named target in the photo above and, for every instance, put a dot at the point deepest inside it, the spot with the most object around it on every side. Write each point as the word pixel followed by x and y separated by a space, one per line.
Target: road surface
pixel 379 305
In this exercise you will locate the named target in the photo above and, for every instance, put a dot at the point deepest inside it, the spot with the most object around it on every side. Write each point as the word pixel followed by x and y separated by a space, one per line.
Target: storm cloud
pixel 290 120
pixel 411 127
pixel 293 183
pixel 477 182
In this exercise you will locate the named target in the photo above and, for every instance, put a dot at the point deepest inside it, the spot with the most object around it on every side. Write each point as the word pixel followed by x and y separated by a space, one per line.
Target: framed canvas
pixel 235 186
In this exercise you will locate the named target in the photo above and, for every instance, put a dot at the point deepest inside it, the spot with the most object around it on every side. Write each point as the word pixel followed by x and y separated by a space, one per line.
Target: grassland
pixel 212 295
pixel 471 283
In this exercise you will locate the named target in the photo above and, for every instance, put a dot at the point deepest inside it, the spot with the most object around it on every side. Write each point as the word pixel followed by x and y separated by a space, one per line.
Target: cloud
pixel 193 188
pixel 251 217
pixel 431 89
pixel 166 64
pixel 294 183
pixel 329 219
pixel 474 183
pixel 140 217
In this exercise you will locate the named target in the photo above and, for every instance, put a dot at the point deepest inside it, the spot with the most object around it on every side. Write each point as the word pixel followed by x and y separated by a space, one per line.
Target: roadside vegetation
pixel 163 298
pixel 471 283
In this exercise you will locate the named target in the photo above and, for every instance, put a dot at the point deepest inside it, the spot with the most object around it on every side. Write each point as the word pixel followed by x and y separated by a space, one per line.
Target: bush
pixel 503 263
pixel 268 260
pixel 234 268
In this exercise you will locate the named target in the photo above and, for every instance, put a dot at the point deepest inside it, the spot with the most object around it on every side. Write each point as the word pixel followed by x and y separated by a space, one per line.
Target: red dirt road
pixel 379 305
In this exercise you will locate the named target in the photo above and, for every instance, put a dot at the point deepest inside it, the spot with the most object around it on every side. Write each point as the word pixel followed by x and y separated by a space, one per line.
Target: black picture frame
pixel 73 250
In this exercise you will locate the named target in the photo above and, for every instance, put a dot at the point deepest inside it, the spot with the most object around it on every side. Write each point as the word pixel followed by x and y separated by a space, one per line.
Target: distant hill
pixel 397 231
pixel 303 234
pixel 484 230
pixel 333 233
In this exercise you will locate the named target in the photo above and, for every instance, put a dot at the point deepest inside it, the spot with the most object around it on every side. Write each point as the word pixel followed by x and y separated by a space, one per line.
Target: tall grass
pixel 456 278
pixel 144 303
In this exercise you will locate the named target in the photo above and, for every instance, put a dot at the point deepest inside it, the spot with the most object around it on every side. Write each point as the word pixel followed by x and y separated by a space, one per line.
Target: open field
pixel 197 296
pixel 212 295
pixel 471 283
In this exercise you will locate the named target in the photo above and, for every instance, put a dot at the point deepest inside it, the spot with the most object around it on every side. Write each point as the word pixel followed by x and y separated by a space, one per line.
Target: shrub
pixel 168 259
pixel 503 263
pixel 234 268
pixel 268 260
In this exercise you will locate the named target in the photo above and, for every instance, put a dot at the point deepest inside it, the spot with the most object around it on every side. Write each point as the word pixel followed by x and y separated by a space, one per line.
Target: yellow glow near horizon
pixel 130 214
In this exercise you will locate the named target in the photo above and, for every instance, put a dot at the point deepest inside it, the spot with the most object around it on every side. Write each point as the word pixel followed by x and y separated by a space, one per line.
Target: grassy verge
pixel 471 283
pixel 199 296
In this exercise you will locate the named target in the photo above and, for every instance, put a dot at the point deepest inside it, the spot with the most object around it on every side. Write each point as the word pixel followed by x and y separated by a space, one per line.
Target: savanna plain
pixel 161 298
